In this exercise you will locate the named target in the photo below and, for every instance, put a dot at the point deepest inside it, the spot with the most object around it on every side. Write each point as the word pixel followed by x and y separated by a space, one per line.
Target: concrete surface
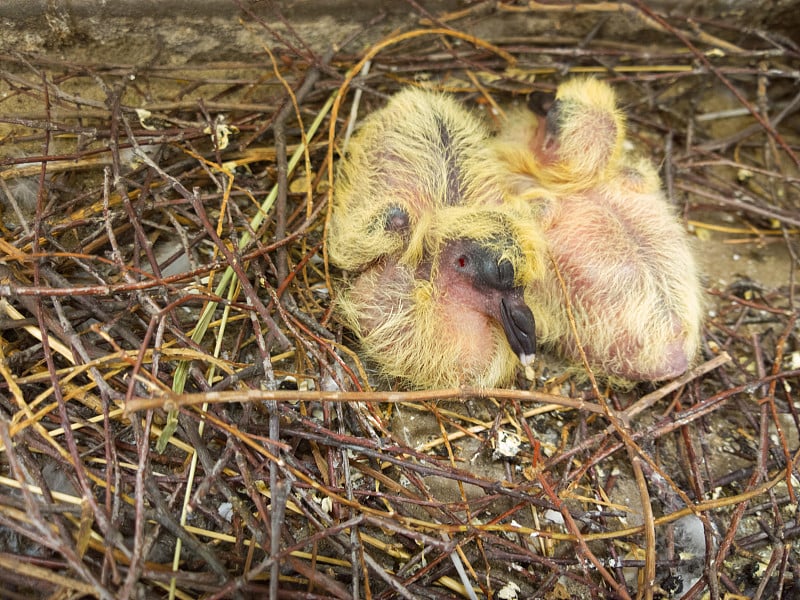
pixel 177 32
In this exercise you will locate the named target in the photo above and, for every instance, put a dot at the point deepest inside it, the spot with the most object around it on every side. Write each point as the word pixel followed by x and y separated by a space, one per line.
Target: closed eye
pixel 397 220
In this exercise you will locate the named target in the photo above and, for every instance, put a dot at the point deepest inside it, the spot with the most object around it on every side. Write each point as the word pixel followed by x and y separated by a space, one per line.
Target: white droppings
pixel 225 511
pixel 509 591
pixel 507 444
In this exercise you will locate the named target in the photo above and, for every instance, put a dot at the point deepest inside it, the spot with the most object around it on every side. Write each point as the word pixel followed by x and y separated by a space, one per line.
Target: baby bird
pixel 438 264
pixel 625 259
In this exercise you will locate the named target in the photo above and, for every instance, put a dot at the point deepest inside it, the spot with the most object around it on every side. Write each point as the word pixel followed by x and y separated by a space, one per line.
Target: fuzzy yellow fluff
pixel 578 144
pixel 426 198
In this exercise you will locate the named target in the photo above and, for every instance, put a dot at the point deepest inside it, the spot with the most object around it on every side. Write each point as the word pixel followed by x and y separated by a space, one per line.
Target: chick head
pixel 584 129
pixel 457 315
pixel 576 145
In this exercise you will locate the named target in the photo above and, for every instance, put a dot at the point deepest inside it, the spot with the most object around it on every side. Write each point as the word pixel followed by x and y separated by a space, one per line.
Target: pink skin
pixel 610 250
pixel 543 144
pixel 475 284
pixel 626 264
pixel 475 299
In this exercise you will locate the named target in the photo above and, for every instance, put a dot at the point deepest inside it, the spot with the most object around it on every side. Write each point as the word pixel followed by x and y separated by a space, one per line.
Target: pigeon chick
pixel 457 317
pixel 628 268
pixel 438 265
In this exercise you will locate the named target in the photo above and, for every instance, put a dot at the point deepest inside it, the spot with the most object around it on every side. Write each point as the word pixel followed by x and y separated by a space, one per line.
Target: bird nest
pixel 182 415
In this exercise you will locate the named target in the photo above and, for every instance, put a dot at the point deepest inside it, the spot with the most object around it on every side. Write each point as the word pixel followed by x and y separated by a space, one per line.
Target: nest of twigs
pixel 182 416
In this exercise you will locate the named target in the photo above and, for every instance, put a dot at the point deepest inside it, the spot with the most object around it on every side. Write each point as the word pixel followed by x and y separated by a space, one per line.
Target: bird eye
pixel 484 267
pixel 540 102
pixel 397 219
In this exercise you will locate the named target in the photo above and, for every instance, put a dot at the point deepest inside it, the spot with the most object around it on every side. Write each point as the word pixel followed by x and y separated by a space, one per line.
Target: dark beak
pixel 519 326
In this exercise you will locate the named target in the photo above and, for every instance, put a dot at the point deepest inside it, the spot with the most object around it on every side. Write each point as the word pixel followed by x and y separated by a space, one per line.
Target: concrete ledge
pixel 191 29
pixel 292 9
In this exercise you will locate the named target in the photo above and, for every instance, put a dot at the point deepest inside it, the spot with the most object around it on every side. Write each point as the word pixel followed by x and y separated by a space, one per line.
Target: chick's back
pixel 631 280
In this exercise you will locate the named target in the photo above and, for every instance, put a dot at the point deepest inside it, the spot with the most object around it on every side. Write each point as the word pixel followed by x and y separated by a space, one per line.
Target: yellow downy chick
pixel 438 263
pixel 631 278
pixel 627 264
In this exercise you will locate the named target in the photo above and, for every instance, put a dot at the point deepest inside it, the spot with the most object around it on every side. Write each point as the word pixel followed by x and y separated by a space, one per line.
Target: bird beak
pixel 519 326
